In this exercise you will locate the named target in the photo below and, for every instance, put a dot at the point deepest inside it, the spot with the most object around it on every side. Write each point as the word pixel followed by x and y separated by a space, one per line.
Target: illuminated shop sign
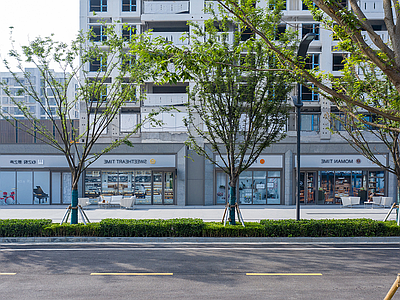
pixel 135 161
pixel 263 161
pixel 33 161
pixel 338 161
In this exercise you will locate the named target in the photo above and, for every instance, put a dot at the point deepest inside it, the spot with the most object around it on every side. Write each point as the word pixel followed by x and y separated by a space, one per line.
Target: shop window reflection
pixel 245 187
pixel 221 188
pixel 143 187
pixel 168 188
pixel 157 187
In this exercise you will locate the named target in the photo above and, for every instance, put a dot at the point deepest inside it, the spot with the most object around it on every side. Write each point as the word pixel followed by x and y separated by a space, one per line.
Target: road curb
pixel 265 240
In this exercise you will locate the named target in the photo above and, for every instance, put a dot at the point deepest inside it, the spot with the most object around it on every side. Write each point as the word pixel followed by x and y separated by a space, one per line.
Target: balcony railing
pixel 165 99
pixel 174 37
pixel 166 7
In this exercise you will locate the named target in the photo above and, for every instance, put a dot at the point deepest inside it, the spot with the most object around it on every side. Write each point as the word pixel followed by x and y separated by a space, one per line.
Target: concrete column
pixel 208 180
pixel 288 181
pixel 181 177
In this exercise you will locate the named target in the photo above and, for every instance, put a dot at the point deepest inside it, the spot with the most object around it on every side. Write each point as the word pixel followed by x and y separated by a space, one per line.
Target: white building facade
pixel 161 170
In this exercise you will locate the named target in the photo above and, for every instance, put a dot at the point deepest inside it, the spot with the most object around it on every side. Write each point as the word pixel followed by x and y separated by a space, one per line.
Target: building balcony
pixel 166 7
pixel 165 99
pixel 173 37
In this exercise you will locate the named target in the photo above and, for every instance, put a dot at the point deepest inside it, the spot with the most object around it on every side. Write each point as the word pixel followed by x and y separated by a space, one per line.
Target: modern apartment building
pixel 37 83
pixel 160 169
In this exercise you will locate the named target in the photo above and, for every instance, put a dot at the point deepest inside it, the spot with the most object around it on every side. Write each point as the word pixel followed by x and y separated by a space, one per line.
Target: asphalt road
pixel 198 271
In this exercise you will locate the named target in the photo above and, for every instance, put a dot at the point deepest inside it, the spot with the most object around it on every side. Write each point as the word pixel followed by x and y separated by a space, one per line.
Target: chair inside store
pixel 39 194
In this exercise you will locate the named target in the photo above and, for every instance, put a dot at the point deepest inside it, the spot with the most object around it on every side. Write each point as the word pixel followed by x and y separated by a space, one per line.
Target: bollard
pixel 393 289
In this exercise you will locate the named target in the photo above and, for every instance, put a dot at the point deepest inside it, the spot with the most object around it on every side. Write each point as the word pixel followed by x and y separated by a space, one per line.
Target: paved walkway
pixel 207 213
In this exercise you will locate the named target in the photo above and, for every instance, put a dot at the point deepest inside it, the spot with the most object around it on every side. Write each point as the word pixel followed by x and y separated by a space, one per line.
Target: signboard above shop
pixel 327 161
pixel 263 161
pixel 33 161
pixel 134 161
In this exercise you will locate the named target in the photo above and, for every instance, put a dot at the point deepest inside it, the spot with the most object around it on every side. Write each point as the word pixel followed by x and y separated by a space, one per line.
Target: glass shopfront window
pixel 221 188
pixel 168 188
pixel 7 187
pixel 254 187
pixel 337 184
pixel 150 187
pixel 33 187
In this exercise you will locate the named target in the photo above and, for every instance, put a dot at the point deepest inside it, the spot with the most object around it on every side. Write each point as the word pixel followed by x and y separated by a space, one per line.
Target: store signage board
pixel 134 161
pixel 338 161
pixel 263 161
pixel 33 161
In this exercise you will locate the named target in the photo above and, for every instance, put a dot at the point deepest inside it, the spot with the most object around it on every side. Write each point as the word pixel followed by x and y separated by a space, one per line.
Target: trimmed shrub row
pixel 198 228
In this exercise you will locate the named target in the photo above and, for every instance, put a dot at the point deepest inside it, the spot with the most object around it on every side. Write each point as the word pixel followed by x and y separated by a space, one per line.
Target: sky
pixel 33 18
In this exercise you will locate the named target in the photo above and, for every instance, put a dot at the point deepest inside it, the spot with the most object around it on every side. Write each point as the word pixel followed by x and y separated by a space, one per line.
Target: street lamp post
pixel 301 53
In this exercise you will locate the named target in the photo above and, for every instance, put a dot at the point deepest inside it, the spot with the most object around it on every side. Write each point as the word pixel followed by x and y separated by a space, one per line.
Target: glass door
pixel 56 188
pixel 157 188
pixel 245 187
pixel 311 180
pixel 259 187
pixel 221 188
pixel 168 187
pixel 24 187
pixel 143 187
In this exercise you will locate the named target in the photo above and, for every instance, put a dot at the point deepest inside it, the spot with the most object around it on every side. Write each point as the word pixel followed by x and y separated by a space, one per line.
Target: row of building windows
pixel 101 5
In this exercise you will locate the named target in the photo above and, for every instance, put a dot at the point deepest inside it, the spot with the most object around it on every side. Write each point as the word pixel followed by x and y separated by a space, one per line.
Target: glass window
pixel 98 5
pixel 312 61
pixel 376 184
pixel 157 188
pixel 98 33
pixel 109 184
pixel 259 187
pixel 7 187
pixel 309 122
pixel 338 60
pixel 308 94
pixel 168 188
pixel 56 188
pixel 342 185
pixel 245 187
pixel 128 32
pixel 92 184
pixel 41 190
pixel 143 187
pixel 24 187
pixel 327 184
pixel 273 190
pixel 311 28
pixel 67 188
pixel 221 188
pixel 128 5
pixel 125 182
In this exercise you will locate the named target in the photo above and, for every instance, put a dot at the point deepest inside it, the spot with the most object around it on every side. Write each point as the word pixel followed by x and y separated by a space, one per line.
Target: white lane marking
pixel 198 248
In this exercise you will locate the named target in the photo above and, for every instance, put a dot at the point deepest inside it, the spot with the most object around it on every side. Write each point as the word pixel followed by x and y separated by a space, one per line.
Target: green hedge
pixel 17 227
pixel 198 228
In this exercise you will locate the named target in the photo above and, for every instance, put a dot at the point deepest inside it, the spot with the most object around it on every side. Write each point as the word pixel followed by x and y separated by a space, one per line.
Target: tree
pixel 237 106
pixel 371 77
pixel 99 99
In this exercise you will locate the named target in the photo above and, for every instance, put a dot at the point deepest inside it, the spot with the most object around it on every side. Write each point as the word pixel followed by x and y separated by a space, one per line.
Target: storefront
pixel 150 177
pixel 324 179
pixel 260 184
pixel 34 179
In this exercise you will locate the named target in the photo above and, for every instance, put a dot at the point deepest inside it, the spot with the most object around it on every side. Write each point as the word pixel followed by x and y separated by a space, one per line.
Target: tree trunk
pixel 398 200
pixel 232 201
pixel 74 200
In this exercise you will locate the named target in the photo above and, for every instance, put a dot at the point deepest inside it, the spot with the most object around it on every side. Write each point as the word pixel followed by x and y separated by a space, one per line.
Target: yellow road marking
pixel 132 274
pixel 283 274
pixel 8 273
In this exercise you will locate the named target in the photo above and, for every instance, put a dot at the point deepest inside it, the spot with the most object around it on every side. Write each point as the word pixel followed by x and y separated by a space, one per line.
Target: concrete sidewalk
pixel 207 213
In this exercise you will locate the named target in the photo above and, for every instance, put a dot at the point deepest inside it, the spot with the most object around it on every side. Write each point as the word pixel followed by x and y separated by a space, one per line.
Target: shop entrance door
pixel 308 182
